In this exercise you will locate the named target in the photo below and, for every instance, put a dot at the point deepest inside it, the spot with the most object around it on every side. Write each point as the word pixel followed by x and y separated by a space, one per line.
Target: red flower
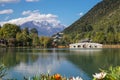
pixel 57 77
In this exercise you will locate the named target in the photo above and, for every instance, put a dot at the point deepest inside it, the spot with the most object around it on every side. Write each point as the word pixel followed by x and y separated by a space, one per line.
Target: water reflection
pixel 28 62
pixel 91 61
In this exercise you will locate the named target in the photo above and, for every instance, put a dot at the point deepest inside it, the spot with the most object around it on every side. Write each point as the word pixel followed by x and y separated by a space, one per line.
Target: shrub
pixel 113 73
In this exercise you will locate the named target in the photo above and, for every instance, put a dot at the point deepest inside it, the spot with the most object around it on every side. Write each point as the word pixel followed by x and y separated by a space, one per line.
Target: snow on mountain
pixel 44 28
pixel 46 24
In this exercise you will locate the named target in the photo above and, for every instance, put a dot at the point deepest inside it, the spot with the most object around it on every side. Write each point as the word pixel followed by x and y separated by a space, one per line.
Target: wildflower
pixel 57 77
pixel 77 78
pixel 99 75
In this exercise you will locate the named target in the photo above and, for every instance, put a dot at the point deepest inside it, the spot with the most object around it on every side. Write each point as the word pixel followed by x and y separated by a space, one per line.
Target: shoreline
pixel 104 46
pixel 111 46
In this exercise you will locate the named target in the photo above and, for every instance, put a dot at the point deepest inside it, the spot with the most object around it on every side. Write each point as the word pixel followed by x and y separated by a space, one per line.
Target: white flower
pixel 77 78
pixel 48 71
pixel 99 75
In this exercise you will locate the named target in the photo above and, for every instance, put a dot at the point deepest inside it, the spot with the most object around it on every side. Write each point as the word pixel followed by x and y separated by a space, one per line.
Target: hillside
pixel 101 24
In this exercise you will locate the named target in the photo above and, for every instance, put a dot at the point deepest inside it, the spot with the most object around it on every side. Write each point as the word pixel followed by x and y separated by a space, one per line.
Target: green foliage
pixel 113 73
pixel 9 31
pixel 2 70
pixel 35 40
pixel 34 30
pixel 101 23
pixel 45 41
pixel 22 37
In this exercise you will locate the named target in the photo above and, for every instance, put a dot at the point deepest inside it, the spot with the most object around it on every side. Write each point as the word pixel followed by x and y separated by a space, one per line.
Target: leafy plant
pixel 113 73
pixel 2 70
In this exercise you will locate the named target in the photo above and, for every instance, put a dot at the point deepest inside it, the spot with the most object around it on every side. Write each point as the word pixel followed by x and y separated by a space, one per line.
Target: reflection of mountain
pixel 91 62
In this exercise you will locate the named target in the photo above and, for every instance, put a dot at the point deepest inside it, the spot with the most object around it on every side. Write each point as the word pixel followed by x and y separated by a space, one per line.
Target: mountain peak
pixel 44 28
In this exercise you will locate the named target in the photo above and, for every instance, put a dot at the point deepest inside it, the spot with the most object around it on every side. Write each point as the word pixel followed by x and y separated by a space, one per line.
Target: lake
pixel 67 62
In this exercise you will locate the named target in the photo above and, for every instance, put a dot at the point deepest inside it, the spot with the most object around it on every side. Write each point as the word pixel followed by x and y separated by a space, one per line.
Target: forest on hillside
pixel 101 24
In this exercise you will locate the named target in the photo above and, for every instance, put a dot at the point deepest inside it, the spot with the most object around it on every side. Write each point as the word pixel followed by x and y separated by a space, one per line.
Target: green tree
pixel 1 33
pixel 89 28
pixel 35 40
pixel 66 40
pixel 45 41
pixel 9 30
pixel 34 30
pixel 110 38
pixel 25 37
pixel 26 29
pixel 110 29
pixel 19 39
pixel 99 37
pixel 117 38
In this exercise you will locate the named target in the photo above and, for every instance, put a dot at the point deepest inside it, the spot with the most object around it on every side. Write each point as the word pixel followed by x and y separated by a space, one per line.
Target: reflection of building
pixel 57 36
pixel 85 44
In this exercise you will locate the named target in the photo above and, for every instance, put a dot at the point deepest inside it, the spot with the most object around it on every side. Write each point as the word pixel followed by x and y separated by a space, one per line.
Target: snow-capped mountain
pixel 44 28
pixel 46 24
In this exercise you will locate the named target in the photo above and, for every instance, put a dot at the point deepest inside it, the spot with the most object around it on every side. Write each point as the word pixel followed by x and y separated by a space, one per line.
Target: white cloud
pixel 7 11
pixel 26 12
pixel 9 1
pixel 29 12
pixel 81 14
pixel 32 0
pixel 34 16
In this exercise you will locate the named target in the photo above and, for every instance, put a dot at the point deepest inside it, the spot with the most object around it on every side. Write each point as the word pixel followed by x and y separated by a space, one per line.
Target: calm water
pixel 28 62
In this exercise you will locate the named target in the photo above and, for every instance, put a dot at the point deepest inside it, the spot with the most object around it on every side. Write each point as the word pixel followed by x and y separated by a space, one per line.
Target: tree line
pixel 110 35
pixel 13 35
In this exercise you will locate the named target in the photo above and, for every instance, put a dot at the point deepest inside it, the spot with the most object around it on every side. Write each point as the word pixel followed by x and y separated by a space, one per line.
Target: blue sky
pixel 63 11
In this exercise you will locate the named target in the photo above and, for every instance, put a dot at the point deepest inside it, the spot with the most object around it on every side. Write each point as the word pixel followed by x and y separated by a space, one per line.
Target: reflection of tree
pixel 91 62
pixel 12 57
